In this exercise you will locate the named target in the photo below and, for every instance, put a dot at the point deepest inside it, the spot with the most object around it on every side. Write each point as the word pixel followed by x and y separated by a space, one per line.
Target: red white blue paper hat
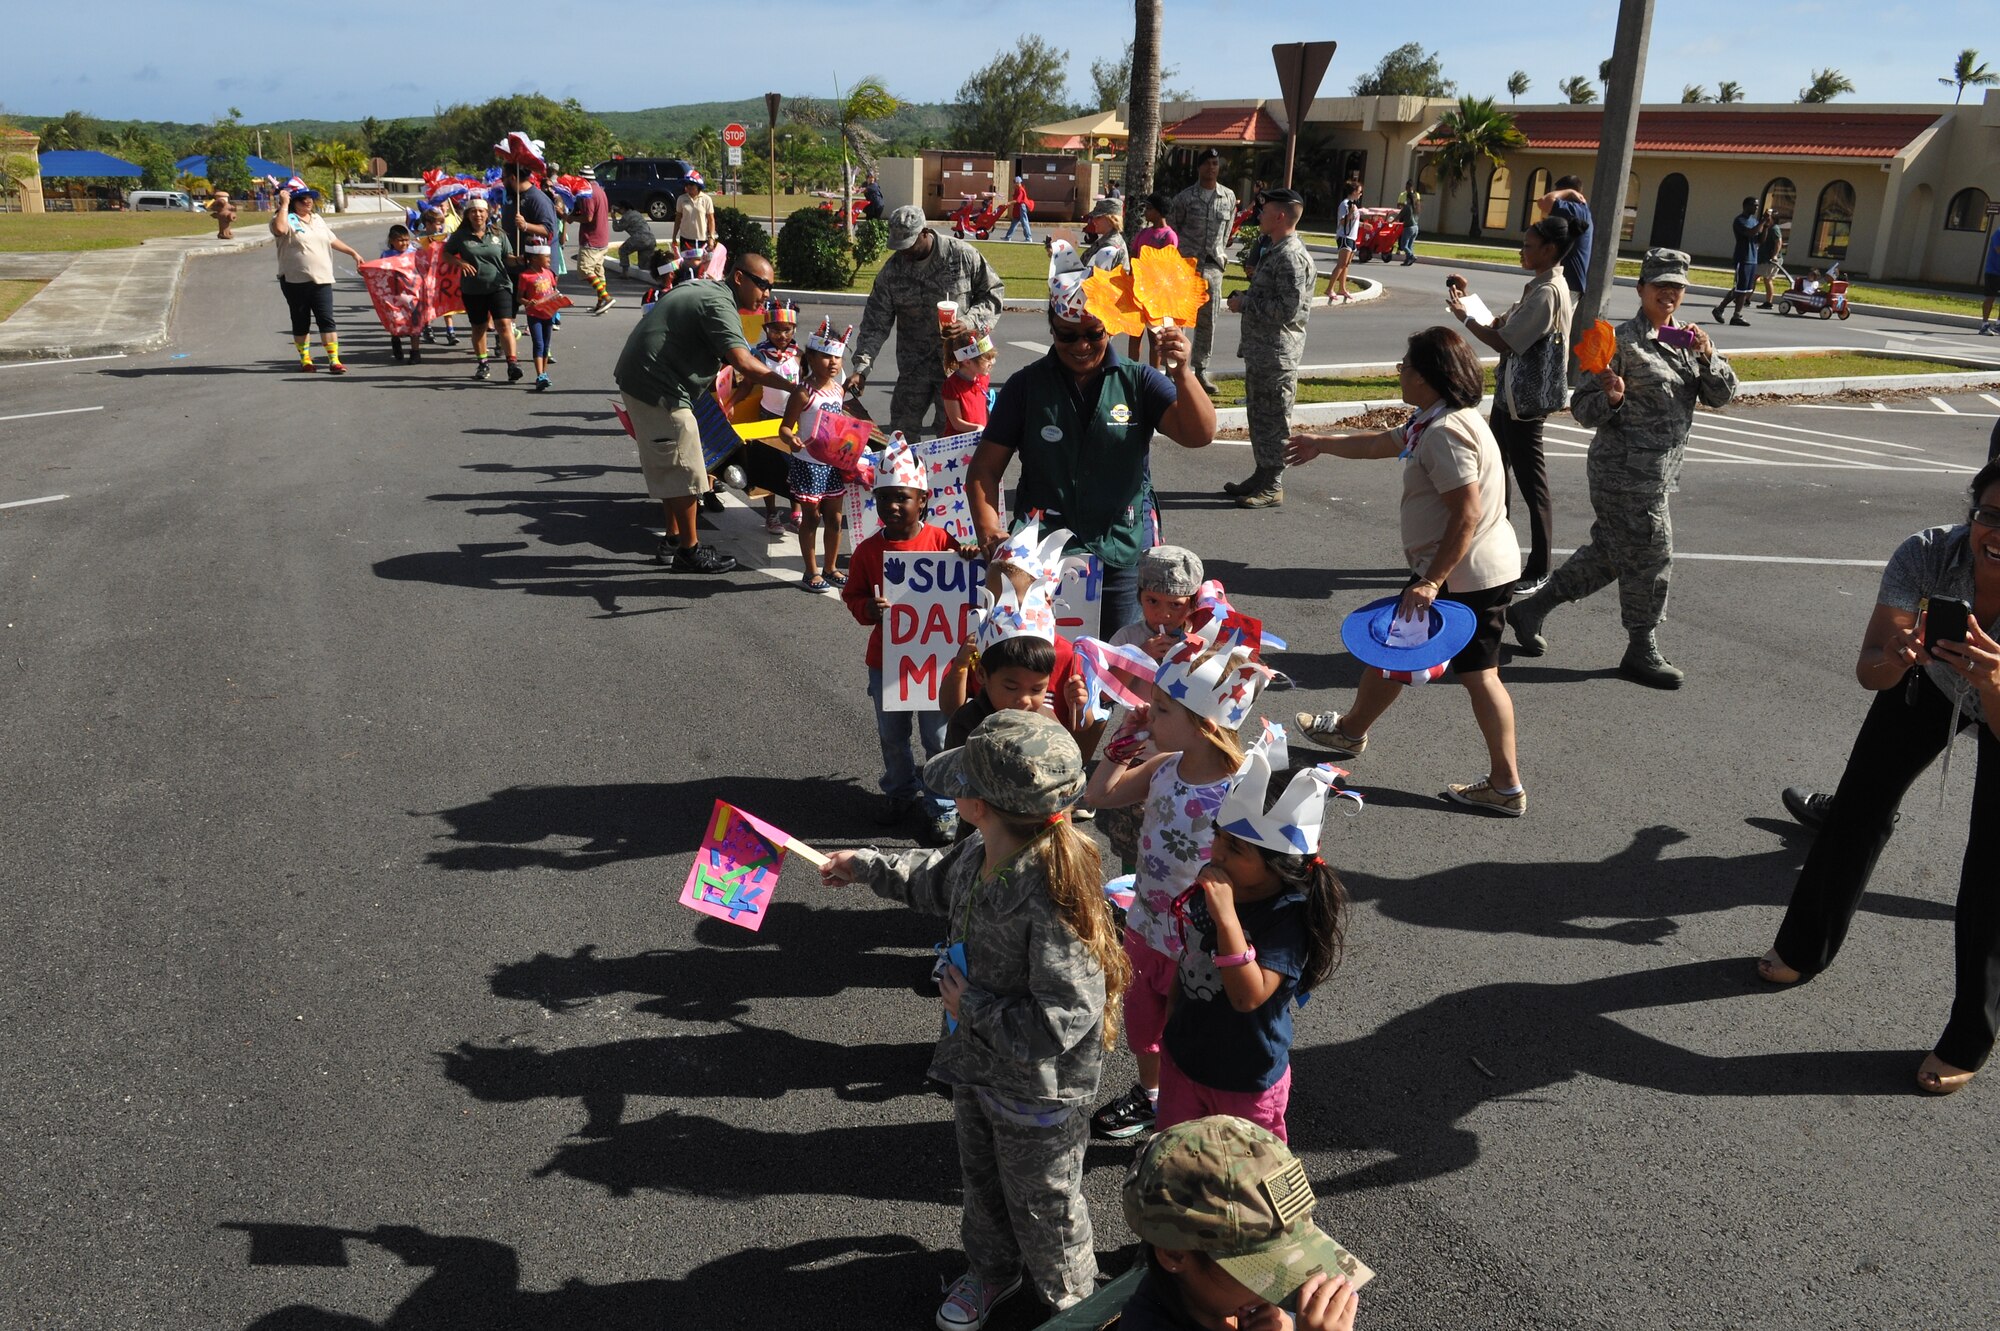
pixel 823 341
pixel 693 178
pixel 1038 556
pixel 1066 274
pixel 1217 682
pixel 899 468
pixel 1025 615
pixel 1292 825
pixel 521 150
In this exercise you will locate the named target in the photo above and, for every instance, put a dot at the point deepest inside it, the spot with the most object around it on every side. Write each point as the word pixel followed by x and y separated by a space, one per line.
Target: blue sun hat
pixel 1372 636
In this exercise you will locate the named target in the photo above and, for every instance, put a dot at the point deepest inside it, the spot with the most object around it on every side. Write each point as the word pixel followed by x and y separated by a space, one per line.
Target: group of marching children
pixel 536 295
pixel 818 490
pixel 1235 917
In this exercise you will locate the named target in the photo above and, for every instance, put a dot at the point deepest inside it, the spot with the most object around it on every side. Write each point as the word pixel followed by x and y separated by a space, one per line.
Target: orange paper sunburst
pixel 1167 285
pixel 1596 347
pixel 1107 294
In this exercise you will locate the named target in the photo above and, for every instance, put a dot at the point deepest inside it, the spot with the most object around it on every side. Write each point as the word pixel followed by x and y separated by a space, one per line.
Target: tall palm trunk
pixel 1142 121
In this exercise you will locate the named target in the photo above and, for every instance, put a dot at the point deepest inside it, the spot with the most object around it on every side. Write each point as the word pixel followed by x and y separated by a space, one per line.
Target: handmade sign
pixel 945 462
pixel 932 600
pixel 411 289
pixel 1596 347
pixel 1079 597
pixel 838 439
pixel 736 869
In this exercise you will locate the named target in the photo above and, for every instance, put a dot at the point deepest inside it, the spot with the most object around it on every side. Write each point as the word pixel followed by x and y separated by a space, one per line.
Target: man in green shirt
pixel 670 359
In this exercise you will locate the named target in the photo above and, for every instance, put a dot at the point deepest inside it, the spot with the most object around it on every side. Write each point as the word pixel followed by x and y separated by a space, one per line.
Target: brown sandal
pixel 1771 969
pixel 1937 1077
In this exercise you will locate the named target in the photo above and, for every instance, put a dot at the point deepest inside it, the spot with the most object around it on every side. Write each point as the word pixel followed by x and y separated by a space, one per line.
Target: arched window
pixel 1967 211
pixel 1782 198
pixel 1499 198
pixel 1538 185
pixel 1833 223
pixel 1631 219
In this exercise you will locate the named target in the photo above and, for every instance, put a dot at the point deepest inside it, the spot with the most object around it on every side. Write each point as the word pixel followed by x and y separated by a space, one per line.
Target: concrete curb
pixel 1368 291
pixel 119 302
pixel 1895 312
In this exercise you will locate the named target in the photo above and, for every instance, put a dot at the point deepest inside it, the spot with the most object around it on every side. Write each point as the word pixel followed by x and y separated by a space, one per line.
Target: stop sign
pixel 735 135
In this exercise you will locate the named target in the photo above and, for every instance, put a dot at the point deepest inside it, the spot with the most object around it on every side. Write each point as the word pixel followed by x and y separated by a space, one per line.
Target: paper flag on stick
pixel 1107 294
pixel 736 870
pixel 838 440
pixel 1167 285
pixel 1596 347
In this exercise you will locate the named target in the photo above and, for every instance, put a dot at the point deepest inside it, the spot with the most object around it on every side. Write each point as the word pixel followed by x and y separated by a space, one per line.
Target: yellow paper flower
pixel 1107 294
pixel 1596 347
pixel 1167 285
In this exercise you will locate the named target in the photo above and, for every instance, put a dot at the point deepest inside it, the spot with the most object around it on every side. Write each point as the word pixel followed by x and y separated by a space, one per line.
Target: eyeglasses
pixel 1081 335
pixel 760 283
pixel 1986 516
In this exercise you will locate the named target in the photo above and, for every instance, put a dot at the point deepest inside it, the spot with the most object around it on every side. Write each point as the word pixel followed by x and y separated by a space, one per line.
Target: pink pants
pixel 1154 975
pixel 1182 1099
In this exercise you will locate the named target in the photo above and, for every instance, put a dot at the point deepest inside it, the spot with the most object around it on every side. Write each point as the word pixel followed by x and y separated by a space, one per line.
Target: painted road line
pixel 1944 406
pixel 23 503
pixel 1872 406
pixel 1812 437
pixel 1990 399
pixel 66 411
pixel 1812 433
pixel 1767 559
pixel 1699 437
pixel 71 360
pixel 1039 348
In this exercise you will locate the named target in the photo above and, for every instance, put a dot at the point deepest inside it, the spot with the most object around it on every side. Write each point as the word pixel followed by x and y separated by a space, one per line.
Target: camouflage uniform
pixel 1028 1049
pixel 1203 220
pixel 905 297
pixel 1634 464
pixel 1275 309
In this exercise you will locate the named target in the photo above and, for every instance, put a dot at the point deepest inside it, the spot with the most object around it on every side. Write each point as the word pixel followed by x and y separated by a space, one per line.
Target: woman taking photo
pixel 305 271
pixel 1916 714
pixel 485 284
pixel 1459 547
pixel 1532 338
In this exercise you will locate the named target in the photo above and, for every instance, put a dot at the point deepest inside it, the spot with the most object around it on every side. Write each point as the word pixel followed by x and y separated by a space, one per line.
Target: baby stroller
pixel 1378 233
pixel 1826 302
pixel 976 215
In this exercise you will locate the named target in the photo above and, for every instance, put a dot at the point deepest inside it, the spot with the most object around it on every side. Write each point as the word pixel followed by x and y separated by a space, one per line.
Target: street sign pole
pixel 1301 65
pixel 1614 156
pixel 771 103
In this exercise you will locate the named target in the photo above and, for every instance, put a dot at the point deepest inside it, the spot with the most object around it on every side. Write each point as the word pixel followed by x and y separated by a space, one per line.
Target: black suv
pixel 651 184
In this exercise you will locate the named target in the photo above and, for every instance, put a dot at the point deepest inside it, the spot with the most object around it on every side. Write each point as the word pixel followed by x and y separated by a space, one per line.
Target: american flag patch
pixel 1290 1194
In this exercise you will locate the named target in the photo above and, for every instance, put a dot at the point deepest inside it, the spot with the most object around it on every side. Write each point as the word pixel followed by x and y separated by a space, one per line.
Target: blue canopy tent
pixel 259 167
pixel 83 162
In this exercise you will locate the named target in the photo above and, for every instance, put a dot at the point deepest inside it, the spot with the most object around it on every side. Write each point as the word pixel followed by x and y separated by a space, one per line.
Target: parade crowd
pixel 1225 910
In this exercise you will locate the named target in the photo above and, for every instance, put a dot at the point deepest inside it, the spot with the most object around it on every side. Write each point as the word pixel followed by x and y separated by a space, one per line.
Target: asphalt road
pixel 356 752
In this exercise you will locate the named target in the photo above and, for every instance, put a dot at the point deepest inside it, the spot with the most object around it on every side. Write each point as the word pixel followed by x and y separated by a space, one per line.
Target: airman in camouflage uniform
pixel 1028 1048
pixel 1274 309
pixel 1634 464
pixel 1203 215
pixel 923 269
pixel 1231 1190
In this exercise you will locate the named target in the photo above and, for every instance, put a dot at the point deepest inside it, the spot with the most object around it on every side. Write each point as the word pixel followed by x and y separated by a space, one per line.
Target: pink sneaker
pixel 970 1301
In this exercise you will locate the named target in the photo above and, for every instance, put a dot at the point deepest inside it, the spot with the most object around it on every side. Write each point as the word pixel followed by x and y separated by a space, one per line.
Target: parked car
pixel 651 184
pixel 154 200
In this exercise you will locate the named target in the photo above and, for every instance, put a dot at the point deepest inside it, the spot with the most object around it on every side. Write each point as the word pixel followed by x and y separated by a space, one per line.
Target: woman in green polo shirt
pixel 483 255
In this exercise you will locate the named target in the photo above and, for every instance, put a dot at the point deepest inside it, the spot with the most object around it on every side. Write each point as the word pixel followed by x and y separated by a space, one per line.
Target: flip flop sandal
pixel 837 579
pixel 817 585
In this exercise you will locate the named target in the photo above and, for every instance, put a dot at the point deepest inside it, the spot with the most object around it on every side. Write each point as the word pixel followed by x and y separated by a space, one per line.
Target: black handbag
pixel 1540 377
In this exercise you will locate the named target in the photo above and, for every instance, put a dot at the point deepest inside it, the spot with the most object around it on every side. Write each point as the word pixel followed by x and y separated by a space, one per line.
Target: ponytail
pixel 1326 911
pixel 1074 873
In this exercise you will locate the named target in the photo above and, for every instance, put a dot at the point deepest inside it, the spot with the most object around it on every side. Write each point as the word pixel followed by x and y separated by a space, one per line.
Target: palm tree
pixel 1728 92
pixel 847 117
pixel 1604 74
pixel 1826 85
pixel 1517 83
pixel 702 147
pixel 1578 90
pixel 1473 131
pixel 345 162
pixel 1967 72
pixel 1142 123
pixel 69 130
pixel 1693 93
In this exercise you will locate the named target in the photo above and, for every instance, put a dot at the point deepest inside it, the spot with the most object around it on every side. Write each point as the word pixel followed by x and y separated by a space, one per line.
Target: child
pixel 1027 1015
pixel 539 302
pixel 902 496
pixel 1156 234
pixel 817 487
pixel 1223 1211
pixel 1041 671
pixel 968 367
pixel 1201 695
pixel 778 350
pixel 1261 925
pixel 1169 577
pixel 401 242
pixel 434 224
pixel 1347 233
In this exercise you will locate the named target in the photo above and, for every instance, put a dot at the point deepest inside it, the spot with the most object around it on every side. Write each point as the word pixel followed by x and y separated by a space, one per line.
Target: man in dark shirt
pixel 1566 200
pixel 528 216
pixel 1748 229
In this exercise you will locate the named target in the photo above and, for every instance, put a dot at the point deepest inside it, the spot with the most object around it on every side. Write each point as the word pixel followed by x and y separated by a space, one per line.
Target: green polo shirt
pixel 488 257
pixel 673 353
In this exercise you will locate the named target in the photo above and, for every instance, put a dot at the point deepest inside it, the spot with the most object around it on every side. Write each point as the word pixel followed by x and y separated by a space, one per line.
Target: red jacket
pixel 864 577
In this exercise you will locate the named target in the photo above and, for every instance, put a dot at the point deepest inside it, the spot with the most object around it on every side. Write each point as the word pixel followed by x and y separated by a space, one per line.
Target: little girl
pixel 1262 925
pixel 539 302
pixel 434 225
pixel 817 487
pixel 778 350
pixel 1027 1018
pixel 1201 695
pixel 400 242
pixel 968 368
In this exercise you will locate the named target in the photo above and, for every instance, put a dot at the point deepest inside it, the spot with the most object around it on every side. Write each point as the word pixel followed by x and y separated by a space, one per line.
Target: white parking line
pixel 1990 399
pixel 1766 559
pixel 1039 348
pixel 71 360
pixel 1944 406
pixel 1849 438
pixel 1872 406
pixel 23 503
pixel 66 411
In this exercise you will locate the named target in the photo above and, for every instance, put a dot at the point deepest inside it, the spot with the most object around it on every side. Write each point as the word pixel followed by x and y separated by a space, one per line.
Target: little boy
pixel 1169 577
pixel 1028 667
pixel 401 242
pixel 902 494
pixel 1224 1212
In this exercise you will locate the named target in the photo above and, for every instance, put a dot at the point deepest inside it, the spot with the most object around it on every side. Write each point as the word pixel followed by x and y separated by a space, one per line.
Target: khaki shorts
pixel 590 261
pixel 669 449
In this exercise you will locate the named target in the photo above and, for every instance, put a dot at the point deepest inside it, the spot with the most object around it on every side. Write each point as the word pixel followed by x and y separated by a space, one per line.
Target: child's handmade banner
pixel 932 599
pixel 1079 597
pixel 945 462
pixel 411 289
pixel 838 439
pixel 736 870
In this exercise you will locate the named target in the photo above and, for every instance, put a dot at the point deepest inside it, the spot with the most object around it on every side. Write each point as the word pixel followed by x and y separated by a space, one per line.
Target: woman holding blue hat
pixel 1463 560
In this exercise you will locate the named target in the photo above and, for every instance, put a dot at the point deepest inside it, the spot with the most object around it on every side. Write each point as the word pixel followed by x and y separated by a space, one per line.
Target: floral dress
pixel 1173 845
pixel 806 478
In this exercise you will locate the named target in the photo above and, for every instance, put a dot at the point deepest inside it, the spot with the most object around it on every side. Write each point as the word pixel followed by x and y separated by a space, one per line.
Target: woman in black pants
pixel 306 245
pixel 1544 309
pixel 1910 722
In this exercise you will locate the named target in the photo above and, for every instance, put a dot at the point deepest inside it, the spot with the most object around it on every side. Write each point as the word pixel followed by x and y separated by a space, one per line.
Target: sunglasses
pixel 1986 516
pixel 1083 335
pixel 760 283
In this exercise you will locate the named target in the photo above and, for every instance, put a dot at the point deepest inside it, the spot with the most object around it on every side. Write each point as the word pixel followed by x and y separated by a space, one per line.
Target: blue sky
pixel 189 59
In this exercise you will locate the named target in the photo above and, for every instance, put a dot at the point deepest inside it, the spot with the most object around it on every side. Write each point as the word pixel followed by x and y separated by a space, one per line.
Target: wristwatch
pixel 1243 958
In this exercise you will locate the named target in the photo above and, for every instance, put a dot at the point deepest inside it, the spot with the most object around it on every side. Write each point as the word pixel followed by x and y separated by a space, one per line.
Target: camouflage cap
pixel 1022 762
pixel 905 225
pixel 1666 266
pixel 1231 1190
pixel 1170 570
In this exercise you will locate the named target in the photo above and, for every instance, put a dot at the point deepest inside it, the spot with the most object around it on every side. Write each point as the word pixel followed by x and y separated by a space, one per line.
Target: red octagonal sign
pixel 735 135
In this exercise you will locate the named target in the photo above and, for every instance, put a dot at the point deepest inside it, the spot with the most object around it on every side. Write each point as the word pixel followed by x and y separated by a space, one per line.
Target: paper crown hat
pixel 1066 274
pixel 1027 615
pixel 1215 681
pixel 781 311
pixel 1292 825
pixel 898 468
pixel 974 349
pixel 823 341
pixel 1038 556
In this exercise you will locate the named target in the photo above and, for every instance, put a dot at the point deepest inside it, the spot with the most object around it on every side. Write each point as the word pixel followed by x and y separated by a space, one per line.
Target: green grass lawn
pixel 15 294
pixel 26 233
pixel 1024 268
pixel 1750 369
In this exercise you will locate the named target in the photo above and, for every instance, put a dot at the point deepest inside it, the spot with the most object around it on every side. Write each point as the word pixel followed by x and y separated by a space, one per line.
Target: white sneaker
pixel 970 1301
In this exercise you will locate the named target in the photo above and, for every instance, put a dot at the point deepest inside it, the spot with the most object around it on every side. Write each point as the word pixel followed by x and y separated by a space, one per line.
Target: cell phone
pixel 1677 337
pixel 1945 619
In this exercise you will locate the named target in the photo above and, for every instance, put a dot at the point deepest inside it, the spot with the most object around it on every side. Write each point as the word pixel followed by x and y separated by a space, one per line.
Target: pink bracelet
pixel 1243 958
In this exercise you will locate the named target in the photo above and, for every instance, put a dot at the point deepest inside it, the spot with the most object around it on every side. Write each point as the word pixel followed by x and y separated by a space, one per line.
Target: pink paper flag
pixel 736 870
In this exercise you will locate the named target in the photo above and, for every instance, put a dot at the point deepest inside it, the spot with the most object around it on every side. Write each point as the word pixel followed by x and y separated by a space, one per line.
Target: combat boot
pixel 1525 618
pixel 1258 479
pixel 1270 495
pixel 1643 663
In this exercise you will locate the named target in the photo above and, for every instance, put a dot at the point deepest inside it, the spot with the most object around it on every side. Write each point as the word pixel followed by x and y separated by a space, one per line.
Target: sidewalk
pixel 107 302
